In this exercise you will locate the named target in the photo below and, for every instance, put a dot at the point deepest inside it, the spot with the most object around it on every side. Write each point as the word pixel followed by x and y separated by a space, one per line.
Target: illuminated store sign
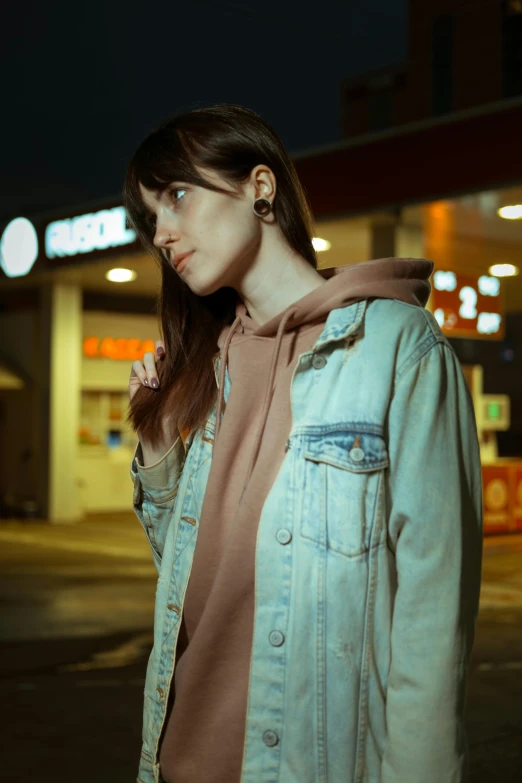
pixel 86 233
pixel 467 305
pixel 116 348
pixel 32 246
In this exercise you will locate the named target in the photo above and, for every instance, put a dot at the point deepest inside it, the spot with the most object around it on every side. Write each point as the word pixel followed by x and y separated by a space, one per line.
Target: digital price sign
pixel 467 305
pixel 119 348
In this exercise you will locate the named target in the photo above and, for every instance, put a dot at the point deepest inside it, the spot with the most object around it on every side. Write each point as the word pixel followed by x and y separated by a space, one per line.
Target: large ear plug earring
pixel 262 207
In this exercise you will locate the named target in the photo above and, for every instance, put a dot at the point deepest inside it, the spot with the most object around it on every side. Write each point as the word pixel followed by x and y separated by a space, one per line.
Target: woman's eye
pixel 151 220
pixel 176 190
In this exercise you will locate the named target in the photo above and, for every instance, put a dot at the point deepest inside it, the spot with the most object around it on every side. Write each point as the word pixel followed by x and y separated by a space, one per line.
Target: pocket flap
pixel 351 447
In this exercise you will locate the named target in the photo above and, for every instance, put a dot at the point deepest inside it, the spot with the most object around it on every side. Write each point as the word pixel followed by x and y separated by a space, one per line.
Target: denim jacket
pixel 368 562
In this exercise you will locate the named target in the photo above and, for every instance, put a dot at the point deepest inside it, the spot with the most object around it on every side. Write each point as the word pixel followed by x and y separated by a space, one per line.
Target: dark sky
pixel 84 82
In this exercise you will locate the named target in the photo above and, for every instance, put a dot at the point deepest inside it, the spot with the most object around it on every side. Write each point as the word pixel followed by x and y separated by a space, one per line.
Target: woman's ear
pixel 263 182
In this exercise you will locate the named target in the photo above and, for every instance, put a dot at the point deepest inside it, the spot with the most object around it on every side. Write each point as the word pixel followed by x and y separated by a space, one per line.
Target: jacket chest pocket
pixel 343 488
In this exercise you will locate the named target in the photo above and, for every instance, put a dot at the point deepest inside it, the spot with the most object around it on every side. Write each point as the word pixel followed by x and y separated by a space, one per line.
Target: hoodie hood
pixel 405 279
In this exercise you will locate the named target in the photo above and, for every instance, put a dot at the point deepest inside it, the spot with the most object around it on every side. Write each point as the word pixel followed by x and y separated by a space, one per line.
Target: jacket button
pixel 276 638
pixel 357 454
pixel 284 536
pixel 270 738
pixel 318 361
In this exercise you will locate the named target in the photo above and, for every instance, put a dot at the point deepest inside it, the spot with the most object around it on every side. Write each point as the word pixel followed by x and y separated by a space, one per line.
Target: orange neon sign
pixel 127 349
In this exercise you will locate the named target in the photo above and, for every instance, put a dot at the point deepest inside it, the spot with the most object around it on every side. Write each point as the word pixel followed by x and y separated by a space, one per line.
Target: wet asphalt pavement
pixel 76 609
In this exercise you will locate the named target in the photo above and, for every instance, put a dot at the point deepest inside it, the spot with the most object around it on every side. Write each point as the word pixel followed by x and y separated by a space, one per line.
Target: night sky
pixel 83 83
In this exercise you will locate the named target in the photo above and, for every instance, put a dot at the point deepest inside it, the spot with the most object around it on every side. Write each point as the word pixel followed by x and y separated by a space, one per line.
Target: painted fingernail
pixel 160 351
pixel 146 382
pixel 154 383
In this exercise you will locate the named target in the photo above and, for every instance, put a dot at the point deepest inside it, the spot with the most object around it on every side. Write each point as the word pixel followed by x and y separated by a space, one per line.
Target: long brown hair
pixel 230 140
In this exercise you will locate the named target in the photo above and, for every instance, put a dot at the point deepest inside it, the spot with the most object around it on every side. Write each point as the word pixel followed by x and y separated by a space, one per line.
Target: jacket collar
pixel 340 323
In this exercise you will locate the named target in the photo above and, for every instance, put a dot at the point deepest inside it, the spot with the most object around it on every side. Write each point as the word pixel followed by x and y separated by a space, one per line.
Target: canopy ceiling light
pixel 321 244
pixel 503 270
pixel 120 275
pixel 512 212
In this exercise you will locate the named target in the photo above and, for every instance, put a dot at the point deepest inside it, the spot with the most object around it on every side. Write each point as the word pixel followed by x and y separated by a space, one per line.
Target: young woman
pixel 308 476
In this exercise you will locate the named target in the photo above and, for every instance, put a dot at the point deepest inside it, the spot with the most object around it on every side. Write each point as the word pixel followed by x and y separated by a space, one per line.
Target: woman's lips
pixel 181 264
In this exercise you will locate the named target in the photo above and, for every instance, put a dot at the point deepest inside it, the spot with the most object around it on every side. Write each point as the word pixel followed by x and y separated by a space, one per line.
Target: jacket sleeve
pixel 155 490
pixel 434 493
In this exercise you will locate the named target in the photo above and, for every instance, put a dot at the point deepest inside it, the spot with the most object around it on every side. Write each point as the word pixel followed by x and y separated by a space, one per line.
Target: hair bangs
pixel 165 156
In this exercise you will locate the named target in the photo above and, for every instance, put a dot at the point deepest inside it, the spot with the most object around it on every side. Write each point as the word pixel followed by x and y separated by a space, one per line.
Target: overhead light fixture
pixel 512 212
pixel 503 270
pixel 120 275
pixel 321 244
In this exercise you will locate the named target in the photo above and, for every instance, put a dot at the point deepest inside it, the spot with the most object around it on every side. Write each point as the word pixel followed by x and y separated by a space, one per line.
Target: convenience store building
pixel 444 189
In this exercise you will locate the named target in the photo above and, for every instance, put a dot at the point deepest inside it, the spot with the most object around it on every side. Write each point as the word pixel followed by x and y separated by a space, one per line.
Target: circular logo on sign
pixel 496 494
pixel 18 247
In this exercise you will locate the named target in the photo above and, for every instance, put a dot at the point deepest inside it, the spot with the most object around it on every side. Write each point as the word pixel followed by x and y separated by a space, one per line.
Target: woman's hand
pixel 144 373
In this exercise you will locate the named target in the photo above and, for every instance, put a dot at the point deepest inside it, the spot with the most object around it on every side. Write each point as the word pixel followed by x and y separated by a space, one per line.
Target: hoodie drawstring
pixel 268 392
pixel 223 359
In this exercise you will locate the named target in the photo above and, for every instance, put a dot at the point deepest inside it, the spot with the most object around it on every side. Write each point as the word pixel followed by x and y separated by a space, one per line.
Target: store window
pixel 103 419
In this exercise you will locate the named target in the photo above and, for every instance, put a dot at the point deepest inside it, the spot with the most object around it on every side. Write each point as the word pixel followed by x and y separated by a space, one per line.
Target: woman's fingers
pixel 138 371
pixel 145 372
pixel 149 363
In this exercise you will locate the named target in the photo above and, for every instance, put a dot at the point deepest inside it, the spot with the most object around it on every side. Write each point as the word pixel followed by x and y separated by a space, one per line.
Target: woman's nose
pixel 164 235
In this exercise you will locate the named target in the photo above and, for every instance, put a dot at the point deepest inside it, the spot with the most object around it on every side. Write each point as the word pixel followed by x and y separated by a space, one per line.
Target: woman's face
pixel 220 231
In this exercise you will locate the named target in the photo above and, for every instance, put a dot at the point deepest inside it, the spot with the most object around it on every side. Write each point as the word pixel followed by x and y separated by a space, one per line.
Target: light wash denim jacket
pixel 368 562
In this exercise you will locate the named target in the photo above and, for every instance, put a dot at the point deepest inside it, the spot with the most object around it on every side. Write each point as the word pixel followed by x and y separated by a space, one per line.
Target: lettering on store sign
pixel 116 348
pixel 86 233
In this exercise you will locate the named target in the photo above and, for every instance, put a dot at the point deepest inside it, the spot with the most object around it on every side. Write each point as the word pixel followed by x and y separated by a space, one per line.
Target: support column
pixel 382 236
pixel 61 321
pixel 410 242
pixel 389 237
